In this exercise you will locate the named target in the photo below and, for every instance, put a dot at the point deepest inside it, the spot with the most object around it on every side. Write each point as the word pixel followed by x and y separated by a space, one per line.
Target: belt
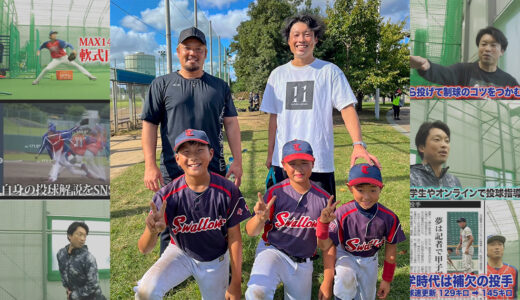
pixel 295 258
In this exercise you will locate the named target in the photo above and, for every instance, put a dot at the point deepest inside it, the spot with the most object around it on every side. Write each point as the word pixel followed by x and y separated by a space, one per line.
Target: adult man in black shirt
pixel 492 44
pixel 188 98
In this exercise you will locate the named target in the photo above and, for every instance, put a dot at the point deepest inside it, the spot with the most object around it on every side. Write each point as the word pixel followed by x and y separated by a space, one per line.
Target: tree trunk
pixel 359 105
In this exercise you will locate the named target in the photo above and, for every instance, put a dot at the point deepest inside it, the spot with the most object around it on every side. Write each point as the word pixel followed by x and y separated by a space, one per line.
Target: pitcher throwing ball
pixel 59 56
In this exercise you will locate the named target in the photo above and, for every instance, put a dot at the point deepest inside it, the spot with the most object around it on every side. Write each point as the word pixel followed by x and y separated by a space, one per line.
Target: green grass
pixel 130 203
pixel 79 88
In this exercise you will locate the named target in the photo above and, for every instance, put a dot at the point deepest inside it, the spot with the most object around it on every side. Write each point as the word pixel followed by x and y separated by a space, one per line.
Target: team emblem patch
pixel 364 169
pixel 297 147
pixel 189 132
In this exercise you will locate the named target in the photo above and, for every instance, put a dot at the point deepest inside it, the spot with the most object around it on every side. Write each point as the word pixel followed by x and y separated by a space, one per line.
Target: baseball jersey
pixel 361 235
pixel 177 103
pixel 293 218
pixel 464 238
pixel 57 48
pixel 303 99
pixel 504 270
pixel 55 141
pixel 199 222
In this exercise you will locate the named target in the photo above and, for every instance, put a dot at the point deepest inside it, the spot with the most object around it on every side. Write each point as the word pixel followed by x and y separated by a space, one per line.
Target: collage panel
pixel 54 49
pixel 503 244
pixel 469 152
pixel 464 49
pixel 54 249
pixel 447 250
pixel 55 149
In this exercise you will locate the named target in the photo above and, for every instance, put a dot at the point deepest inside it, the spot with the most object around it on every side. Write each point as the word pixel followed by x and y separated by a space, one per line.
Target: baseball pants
pixel 356 277
pixel 271 267
pixel 62 60
pixel 174 266
pixel 467 260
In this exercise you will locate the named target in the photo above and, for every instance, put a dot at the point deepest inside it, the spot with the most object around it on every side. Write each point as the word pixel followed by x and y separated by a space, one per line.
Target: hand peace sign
pixel 155 220
pixel 261 209
pixel 327 214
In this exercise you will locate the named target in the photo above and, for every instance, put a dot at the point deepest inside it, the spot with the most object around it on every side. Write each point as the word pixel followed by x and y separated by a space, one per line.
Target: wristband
pixel 322 230
pixel 388 271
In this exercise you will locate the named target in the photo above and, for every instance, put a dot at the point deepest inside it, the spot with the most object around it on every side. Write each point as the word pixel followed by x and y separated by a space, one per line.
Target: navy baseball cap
pixel 192 32
pixel 365 173
pixel 191 135
pixel 52 127
pixel 297 149
pixel 52 31
pixel 496 237
pixel 461 220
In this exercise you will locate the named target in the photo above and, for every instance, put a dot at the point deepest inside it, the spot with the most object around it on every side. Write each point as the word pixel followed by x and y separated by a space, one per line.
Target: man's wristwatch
pixel 360 143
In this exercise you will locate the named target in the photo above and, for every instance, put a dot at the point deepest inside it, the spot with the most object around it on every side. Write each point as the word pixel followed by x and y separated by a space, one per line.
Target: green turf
pixel 49 88
pixel 130 204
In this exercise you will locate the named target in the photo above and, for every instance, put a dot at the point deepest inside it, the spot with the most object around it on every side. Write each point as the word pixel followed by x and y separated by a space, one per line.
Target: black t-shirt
pixel 177 103
pixel 467 74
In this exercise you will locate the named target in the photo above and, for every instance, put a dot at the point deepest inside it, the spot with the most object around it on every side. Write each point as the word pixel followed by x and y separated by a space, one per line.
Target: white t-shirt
pixel 464 236
pixel 303 98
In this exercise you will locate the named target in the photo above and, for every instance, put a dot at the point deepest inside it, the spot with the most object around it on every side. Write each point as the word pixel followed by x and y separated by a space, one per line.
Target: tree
pixel 358 26
pixel 259 45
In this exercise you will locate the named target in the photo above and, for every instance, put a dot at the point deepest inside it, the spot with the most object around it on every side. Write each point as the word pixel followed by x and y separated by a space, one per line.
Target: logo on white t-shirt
pixel 299 95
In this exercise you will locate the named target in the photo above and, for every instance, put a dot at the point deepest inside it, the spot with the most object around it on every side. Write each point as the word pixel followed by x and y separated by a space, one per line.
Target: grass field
pixel 51 89
pixel 130 203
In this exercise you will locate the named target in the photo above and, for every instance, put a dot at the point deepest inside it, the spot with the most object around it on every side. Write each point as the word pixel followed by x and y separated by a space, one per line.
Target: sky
pixel 139 26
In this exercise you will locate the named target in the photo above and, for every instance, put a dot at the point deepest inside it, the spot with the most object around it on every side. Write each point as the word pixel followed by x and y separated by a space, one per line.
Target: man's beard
pixel 191 68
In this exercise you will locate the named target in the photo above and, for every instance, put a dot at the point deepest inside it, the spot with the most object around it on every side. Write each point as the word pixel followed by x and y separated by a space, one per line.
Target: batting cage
pixel 444 31
pixel 32 231
pixel 435 32
pixel 502 218
pixel 484 146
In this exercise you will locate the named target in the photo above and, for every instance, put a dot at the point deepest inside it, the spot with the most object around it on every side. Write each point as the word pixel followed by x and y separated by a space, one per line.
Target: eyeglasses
pixel 198 50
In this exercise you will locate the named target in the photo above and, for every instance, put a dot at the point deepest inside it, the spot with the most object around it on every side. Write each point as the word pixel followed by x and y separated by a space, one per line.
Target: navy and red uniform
pixel 288 243
pixel 56 48
pixel 358 235
pixel 509 293
pixel 199 224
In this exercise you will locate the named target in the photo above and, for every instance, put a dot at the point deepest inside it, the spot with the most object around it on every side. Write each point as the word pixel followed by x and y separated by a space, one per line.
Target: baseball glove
pixel 72 56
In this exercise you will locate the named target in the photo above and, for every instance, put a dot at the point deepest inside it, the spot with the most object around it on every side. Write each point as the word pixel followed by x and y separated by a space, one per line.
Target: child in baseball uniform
pixel 287 215
pixel 358 229
pixel 204 211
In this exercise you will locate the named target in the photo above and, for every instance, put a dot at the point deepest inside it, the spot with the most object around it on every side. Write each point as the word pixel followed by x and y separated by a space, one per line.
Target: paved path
pixel 403 125
pixel 125 151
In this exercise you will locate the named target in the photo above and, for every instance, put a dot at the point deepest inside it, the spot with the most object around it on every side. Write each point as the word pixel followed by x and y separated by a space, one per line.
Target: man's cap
pixel 191 135
pixel 52 127
pixel 52 31
pixel 365 173
pixel 496 237
pixel 192 32
pixel 461 220
pixel 297 149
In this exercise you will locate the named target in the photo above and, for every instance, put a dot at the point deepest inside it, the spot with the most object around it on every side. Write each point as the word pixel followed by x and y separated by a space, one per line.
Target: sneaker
pixel 35 82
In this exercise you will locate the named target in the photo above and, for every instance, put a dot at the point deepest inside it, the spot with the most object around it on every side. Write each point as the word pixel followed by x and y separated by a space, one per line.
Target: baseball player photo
pixel 54 141
pixel 466 244
pixel 288 214
pixel 495 265
pixel 203 211
pixel 59 56
pixel 358 229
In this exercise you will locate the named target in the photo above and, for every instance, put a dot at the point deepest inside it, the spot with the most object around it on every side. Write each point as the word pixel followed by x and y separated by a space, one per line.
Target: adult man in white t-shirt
pixel 299 97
